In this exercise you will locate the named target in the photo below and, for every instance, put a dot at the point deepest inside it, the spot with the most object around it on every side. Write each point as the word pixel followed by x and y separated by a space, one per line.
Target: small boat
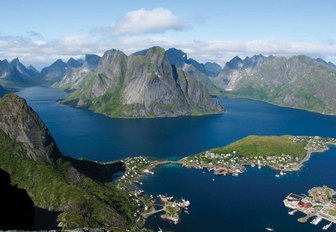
pixel 213 179
pixel 277 175
pixel 292 212
pixel 326 227
pixel 316 221
pixel 270 228
pixel 186 211
pixel 160 230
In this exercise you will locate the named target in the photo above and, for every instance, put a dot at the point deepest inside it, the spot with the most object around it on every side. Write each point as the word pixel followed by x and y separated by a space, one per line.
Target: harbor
pixel 320 204
pixel 137 168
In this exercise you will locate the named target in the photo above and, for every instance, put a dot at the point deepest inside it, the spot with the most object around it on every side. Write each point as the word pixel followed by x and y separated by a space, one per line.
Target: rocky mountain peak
pixel 144 84
pixel 236 62
pixel 156 55
pixel 177 57
pixel 73 63
pixel 20 122
pixel 91 61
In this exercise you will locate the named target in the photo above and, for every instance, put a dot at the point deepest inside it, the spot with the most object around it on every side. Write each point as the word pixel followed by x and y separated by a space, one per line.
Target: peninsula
pixel 283 153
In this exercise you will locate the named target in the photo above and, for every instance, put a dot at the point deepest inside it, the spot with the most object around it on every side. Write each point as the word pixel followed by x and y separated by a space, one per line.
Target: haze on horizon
pixel 39 32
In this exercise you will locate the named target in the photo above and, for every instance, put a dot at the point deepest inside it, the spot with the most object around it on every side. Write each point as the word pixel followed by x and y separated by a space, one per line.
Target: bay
pixel 245 203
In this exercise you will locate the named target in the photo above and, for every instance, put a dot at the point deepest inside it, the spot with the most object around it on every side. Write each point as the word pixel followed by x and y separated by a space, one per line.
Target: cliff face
pixel 23 125
pixel 142 85
pixel 198 71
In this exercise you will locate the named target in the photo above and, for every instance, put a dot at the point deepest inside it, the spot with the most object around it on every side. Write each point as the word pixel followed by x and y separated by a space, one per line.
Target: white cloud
pixel 144 21
pixel 44 53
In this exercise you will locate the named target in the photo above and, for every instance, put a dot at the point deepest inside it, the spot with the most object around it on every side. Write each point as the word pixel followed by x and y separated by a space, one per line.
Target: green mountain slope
pixel 298 82
pixel 53 182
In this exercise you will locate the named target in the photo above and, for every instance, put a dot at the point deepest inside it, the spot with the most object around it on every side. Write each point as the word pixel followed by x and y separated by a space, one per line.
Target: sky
pixel 38 31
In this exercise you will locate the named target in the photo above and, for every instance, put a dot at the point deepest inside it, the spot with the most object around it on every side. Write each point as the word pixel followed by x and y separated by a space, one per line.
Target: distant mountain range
pixel 298 81
pixel 14 74
pixel 144 84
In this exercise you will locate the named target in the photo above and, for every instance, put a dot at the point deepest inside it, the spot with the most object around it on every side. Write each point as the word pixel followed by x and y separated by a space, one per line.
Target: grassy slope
pixel 264 146
pixel 59 187
pixel 306 89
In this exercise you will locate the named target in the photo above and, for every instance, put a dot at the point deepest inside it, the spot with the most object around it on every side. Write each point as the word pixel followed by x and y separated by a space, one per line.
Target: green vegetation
pixel 332 212
pixel 82 201
pixel 285 153
pixel 264 146
pixel 298 82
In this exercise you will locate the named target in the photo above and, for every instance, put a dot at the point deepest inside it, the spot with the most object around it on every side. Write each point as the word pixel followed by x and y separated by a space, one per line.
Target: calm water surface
pixel 245 203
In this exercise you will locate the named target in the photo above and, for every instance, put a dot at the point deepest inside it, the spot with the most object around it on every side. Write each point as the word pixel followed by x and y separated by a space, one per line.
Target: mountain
pixel 91 61
pixel 212 69
pixel 80 192
pixel 179 58
pixel 235 69
pixel 144 84
pixel 14 73
pixel 23 125
pixel 75 77
pixel 3 91
pixel 57 70
pixel 298 81
pixel 72 63
pixel 198 71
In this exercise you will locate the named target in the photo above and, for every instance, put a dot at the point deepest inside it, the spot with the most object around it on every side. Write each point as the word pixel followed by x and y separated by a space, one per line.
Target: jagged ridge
pixel 144 84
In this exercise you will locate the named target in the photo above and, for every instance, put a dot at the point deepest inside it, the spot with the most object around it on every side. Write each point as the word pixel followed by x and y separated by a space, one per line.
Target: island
pixel 283 153
pixel 320 202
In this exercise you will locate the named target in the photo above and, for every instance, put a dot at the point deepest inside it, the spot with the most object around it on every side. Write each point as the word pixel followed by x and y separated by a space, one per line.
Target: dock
pixel 319 204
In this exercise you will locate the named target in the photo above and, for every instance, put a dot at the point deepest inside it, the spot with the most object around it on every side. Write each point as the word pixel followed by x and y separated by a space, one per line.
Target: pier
pixel 320 204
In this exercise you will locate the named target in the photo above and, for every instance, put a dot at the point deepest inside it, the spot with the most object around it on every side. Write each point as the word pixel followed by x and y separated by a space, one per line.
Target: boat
pixel 269 229
pixel 326 227
pixel 160 230
pixel 186 211
pixel 277 175
pixel 316 221
pixel 292 212
pixel 213 179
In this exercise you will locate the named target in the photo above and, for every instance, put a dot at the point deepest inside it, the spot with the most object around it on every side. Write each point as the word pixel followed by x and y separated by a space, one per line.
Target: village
pixel 137 168
pixel 320 204
pixel 233 163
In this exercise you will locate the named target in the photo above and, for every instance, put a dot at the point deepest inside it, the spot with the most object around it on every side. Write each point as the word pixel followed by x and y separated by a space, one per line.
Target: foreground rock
pixel 75 189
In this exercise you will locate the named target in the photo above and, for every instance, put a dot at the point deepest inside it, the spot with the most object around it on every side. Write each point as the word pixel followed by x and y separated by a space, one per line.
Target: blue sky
pixel 39 31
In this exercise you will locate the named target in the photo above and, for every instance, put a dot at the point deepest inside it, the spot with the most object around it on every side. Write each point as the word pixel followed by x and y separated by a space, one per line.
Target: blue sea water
pixel 245 203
